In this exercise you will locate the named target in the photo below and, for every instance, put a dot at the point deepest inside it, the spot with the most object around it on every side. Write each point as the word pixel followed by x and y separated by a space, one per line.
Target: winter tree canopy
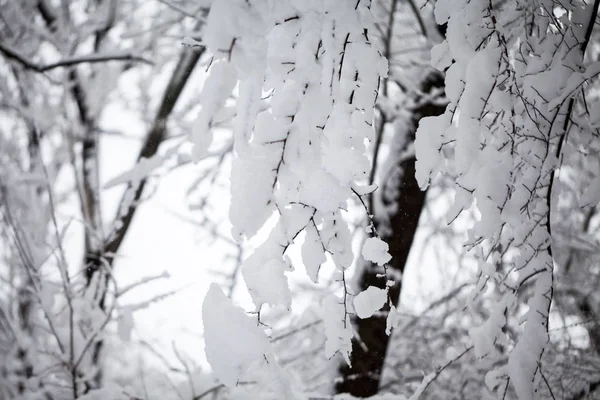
pixel 348 135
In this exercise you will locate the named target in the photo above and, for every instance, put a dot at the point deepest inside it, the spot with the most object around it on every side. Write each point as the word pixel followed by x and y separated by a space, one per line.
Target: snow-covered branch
pixel 70 61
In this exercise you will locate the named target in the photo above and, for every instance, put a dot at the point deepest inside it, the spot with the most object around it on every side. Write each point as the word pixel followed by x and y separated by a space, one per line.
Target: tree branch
pixel 429 379
pixel 70 61
pixel 379 134
pixel 187 61
pixel 563 138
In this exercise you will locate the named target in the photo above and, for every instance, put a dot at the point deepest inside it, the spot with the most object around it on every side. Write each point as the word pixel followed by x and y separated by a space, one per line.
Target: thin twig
pixel 429 379
pixel 71 61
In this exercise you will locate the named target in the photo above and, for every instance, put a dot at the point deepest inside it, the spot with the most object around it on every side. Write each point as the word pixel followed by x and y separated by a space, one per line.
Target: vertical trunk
pixel 368 356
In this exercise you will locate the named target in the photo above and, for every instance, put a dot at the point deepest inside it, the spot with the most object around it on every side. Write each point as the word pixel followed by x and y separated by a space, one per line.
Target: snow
pixel 336 236
pixel 385 396
pixel 251 197
pixel 263 271
pixel 427 379
pixel 523 360
pixel 108 391
pixel 440 56
pixel 125 324
pixel 369 301
pixel 491 92
pixel 142 169
pixel 233 341
pixel 191 42
pixel 346 163
pixel 322 190
pixel 216 90
pixel 304 113
pixel 313 254
pixel 376 250
pixel 392 320
pixel 574 82
pixel 301 149
pixel 337 327
pixel 428 143
pixel 364 190
pixel 267 282
pixel 591 196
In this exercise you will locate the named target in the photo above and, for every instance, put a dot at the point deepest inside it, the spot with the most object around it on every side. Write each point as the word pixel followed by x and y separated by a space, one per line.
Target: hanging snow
pixel 367 302
pixel 376 250
pixel 232 339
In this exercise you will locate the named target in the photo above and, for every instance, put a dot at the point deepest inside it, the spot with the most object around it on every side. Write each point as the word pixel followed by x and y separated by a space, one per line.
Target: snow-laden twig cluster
pixel 507 69
pixel 303 157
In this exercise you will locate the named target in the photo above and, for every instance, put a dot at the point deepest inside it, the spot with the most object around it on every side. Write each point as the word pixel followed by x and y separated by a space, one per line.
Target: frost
pixel 369 301
pixel 376 250
pixel 233 341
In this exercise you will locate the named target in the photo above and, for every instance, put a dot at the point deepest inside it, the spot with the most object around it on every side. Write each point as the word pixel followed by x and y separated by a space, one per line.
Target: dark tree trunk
pixel 363 378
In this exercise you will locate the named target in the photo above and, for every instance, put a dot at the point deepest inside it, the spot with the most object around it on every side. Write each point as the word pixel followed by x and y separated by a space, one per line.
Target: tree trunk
pixel 368 356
